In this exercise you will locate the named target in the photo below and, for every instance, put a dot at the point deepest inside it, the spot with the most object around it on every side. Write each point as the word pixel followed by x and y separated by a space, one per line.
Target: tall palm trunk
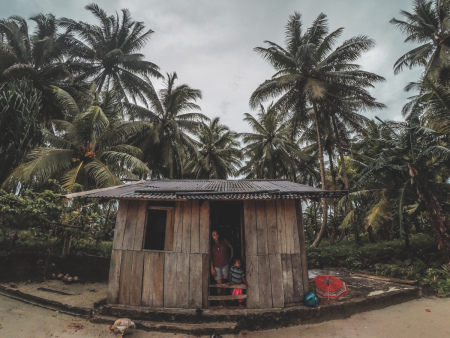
pixel 316 242
pixel 439 222
pixel 341 153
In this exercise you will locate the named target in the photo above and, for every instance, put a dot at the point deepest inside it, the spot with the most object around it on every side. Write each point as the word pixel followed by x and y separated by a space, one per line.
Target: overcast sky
pixel 210 43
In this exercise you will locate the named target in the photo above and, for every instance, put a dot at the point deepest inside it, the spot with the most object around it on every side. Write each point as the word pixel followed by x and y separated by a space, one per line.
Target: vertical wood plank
pixel 250 228
pixel 121 220
pixel 182 289
pixel 281 227
pixel 147 280
pixel 195 281
pixel 252 281
pixel 261 227
pixel 195 227
pixel 297 278
pixel 291 223
pixel 130 227
pixel 170 280
pixel 265 288
pixel 136 278
pixel 178 226
pixel 158 280
pixel 206 267
pixel 140 225
pixel 168 239
pixel 272 229
pixel 186 239
pixel 286 265
pixel 125 277
pixel 302 244
pixel 276 274
pixel 112 296
pixel 204 228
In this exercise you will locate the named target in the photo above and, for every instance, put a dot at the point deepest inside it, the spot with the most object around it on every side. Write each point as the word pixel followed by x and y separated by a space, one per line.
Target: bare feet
pixel 241 306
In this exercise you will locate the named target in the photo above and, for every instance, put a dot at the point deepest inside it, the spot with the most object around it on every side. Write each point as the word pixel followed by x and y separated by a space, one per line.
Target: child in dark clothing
pixel 237 277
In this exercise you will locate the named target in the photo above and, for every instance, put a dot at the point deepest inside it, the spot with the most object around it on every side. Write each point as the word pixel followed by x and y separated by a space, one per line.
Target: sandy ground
pixel 409 319
pixel 79 294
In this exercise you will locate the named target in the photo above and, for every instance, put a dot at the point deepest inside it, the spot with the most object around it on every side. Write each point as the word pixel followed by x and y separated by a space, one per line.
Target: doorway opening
pixel 226 218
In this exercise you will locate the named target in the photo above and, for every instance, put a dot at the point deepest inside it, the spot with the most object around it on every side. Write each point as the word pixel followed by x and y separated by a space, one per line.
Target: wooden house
pixel 161 250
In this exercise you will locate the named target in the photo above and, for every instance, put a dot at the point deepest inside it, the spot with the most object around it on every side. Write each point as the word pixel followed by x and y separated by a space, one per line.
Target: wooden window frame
pixel 170 224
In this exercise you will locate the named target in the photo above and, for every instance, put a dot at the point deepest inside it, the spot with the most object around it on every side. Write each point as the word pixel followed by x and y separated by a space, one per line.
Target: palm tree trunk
pixel 341 153
pixel 323 227
pixel 439 222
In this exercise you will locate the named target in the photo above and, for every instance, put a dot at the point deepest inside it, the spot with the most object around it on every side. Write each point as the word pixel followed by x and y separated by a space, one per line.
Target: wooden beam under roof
pixel 89 192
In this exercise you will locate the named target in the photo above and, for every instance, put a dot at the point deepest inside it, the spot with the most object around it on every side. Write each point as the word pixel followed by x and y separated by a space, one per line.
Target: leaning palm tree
pixel 309 69
pixel 427 25
pixel 219 156
pixel 108 54
pixel 269 151
pixel 168 145
pixel 37 57
pixel 91 150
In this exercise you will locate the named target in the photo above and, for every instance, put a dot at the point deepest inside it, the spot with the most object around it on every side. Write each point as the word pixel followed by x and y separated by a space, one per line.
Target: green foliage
pixel 20 127
pixel 439 279
pixel 347 254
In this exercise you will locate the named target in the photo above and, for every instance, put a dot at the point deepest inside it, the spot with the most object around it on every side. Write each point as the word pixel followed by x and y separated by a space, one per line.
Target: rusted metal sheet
pixel 214 190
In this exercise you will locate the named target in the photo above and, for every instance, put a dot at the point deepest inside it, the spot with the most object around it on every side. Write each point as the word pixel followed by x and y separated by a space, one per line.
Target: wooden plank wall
pixel 274 264
pixel 159 279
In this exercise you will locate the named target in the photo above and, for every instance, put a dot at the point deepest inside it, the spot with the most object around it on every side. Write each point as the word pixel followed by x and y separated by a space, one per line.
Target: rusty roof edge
pixel 95 191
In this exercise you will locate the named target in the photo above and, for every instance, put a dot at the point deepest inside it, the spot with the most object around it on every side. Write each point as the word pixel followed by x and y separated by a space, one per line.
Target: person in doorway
pixel 220 259
pixel 237 277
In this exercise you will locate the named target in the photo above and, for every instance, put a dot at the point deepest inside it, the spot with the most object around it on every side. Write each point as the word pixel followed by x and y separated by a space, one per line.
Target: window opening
pixel 159 229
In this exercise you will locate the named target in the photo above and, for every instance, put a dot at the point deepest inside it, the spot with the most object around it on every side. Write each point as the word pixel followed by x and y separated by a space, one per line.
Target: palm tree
pixel 413 163
pixel 269 151
pixel 219 156
pixel 167 146
pixel 90 150
pixel 428 26
pixel 107 54
pixel 38 57
pixel 20 127
pixel 309 70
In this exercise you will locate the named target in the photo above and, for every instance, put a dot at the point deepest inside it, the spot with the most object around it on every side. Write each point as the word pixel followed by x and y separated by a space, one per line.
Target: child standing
pixel 237 277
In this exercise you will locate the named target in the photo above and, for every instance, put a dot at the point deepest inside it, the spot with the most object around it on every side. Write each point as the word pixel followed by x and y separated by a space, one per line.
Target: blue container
pixel 311 300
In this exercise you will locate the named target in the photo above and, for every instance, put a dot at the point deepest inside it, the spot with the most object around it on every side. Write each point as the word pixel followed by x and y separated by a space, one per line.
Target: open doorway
pixel 226 217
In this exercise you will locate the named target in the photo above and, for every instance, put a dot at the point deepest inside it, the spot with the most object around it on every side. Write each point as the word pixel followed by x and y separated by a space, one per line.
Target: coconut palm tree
pixel 91 150
pixel 269 151
pixel 219 155
pixel 38 57
pixel 168 145
pixel 413 164
pixel 20 127
pixel 427 25
pixel 309 69
pixel 108 54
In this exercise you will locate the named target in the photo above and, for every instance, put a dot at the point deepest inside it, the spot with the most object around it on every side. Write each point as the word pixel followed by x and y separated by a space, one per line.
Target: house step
pixel 226 286
pixel 188 328
pixel 231 297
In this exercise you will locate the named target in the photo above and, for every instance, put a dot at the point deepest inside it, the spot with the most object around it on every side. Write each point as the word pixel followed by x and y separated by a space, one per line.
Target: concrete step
pixel 193 329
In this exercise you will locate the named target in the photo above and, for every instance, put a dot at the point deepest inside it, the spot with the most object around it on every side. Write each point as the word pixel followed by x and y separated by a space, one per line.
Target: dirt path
pixel 404 320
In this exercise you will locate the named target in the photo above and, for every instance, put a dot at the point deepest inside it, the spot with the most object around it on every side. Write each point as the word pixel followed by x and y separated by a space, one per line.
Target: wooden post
pixel 301 240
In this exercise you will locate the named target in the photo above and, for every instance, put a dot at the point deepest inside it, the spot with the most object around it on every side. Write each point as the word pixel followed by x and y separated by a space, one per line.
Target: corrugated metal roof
pixel 212 190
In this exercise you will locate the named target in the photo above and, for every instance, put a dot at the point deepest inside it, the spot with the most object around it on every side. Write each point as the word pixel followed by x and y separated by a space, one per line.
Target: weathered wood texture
pixel 176 278
pixel 114 277
pixel 130 227
pixel 273 247
pixel 140 226
pixel 121 220
pixel 276 267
